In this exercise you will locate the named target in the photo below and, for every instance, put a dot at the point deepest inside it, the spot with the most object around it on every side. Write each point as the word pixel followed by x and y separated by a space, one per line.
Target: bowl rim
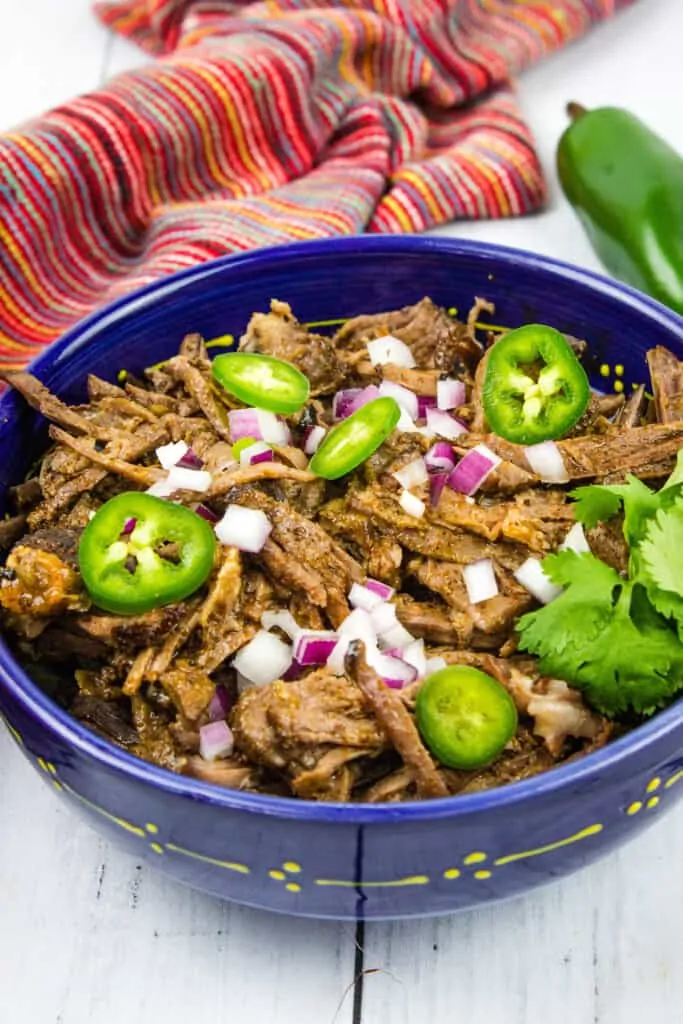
pixel 34 703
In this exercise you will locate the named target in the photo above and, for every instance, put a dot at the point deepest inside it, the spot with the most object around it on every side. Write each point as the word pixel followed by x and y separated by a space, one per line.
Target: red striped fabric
pixel 261 123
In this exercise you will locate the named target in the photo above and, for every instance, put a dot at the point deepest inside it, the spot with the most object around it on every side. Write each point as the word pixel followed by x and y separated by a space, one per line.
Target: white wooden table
pixel 88 936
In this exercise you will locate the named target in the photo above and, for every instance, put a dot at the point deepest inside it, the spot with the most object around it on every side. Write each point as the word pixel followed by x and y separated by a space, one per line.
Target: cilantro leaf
pixel 659 563
pixel 676 478
pixel 598 502
pixel 602 636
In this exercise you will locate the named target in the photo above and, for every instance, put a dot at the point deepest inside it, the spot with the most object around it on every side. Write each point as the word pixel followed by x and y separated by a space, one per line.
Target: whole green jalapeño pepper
pixel 535 389
pixel 139 552
pixel 626 185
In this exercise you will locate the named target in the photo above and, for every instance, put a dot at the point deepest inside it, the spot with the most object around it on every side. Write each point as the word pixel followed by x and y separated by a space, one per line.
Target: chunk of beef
pixel 291 727
pixel 434 338
pixel 396 721
pixel 666 374
pixel 41 576
pixel 647 451
pixel 110 719
pixel 280 334
pixel 130 631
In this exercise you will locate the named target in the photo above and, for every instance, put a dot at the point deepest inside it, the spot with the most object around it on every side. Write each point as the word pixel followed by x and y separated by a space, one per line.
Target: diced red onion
pixel 473 469
pixel 414 474
pixel 206 513
pixel 216 741
pixel 441 423
pixel 313 440
pixel 424 402
pixel 259 424
pixel 190 460
pixel 347 402
pixel 264 659
pixel 180 479
pixel 532 577
pixel 405 398
pixel 440 457
pixel 414 654
pixel 546 461
pixel 244 423
pixel 435 665
pixel 257 452
pixel 450 393
pixel 128 526
pixel 295 671
pixel 411 505
pixel 314 646
pixel 219 705
pixel 575 540
pixel 389 349
pixel 480 580
pixel 170 454
pixel 245 528
pixel 363 597
pixel 382 589
pixel 437 483
pixel 284 620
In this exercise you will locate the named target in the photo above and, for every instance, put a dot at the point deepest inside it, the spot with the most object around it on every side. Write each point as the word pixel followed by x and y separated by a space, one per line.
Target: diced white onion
pixel 413 475
pixel 161 488
pixel 356 626
pixel 575 540
pixel 406 425
pixel 284 620
pixel 273 429
pixel 405 398
pixel 450 394
pixel 480 580
pixel 441 423
pixel 169 454
pixel 530 574
pixel 389 349
pixel 414 654
pixel 264 659
pixel 411 505
pixel 362 597
pixel 546 461
pixel 180 479
pixel 313 440
pixel 386 625
pixel 435 665
pixel 215 741
pixel 245 528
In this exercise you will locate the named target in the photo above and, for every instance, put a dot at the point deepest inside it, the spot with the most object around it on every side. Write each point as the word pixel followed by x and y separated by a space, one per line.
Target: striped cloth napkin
pixel 261 123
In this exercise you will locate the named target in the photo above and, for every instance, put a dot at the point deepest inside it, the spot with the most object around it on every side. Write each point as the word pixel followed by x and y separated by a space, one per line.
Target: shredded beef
pixel 151 682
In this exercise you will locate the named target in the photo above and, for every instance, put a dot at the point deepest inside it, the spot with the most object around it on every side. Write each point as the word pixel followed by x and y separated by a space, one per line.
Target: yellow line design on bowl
pixel 397 883
pixel 229 865
pixel 585 833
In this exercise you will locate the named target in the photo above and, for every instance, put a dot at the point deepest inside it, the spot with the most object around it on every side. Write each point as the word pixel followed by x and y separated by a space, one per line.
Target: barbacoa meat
pixel 150 682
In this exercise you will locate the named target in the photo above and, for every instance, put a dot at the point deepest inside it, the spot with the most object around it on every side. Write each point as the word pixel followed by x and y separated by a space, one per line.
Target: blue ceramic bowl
pixel 331 860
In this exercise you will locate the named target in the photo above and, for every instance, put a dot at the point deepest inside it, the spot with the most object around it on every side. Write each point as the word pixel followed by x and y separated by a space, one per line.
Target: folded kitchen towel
pixel 260 123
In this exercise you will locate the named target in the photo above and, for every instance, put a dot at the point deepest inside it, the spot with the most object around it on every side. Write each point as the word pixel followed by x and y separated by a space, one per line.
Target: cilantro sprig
pixel 619 640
